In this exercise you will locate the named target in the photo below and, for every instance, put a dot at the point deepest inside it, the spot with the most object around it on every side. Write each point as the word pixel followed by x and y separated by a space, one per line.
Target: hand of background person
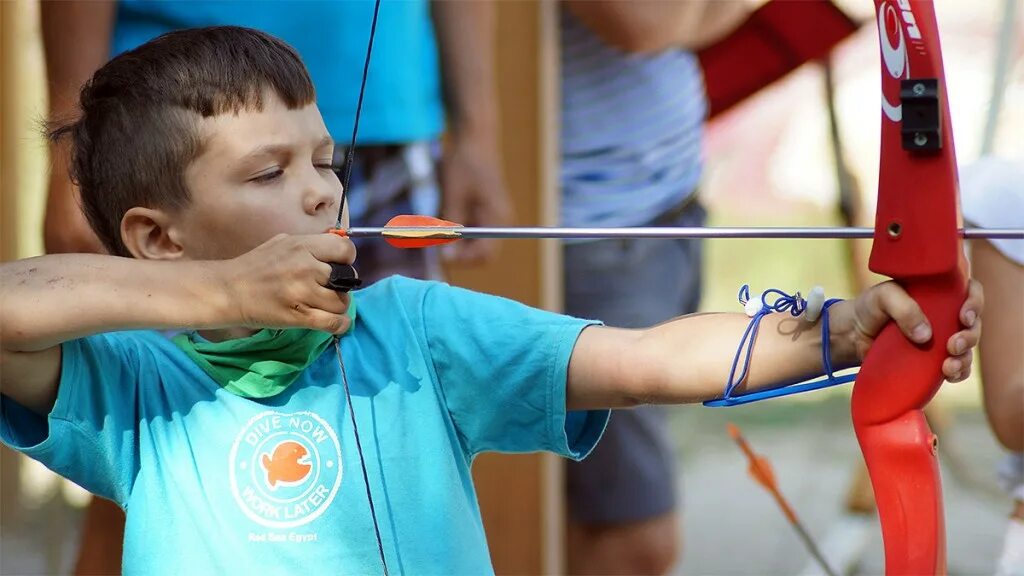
pixel 473 193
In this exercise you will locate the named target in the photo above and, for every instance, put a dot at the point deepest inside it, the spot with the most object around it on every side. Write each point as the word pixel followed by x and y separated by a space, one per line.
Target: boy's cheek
pixel 344 216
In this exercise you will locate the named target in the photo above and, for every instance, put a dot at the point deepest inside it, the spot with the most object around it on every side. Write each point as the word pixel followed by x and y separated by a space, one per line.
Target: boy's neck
pixel 223 334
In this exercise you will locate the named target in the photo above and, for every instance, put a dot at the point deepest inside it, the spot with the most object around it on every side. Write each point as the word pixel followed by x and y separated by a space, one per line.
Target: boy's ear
pixel 149 235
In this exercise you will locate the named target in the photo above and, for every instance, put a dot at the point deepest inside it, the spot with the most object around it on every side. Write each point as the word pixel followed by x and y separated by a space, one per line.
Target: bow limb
pixel 916 243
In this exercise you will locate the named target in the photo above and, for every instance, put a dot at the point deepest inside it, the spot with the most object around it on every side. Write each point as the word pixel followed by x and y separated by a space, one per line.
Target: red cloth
pixel 775 40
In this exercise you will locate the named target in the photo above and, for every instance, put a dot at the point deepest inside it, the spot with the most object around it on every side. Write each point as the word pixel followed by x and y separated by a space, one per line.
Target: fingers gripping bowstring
pixel 349 159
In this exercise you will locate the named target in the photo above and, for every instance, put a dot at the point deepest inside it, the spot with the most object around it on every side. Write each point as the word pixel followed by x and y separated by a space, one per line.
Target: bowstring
pixel 350 154
pixel 349 159
pixel 362 461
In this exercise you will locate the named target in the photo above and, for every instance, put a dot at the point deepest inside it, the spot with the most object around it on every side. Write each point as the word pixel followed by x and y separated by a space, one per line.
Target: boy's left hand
pixel 855 324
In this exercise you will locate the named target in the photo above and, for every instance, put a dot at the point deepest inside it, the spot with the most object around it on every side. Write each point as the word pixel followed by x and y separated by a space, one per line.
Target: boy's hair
pixel 137 131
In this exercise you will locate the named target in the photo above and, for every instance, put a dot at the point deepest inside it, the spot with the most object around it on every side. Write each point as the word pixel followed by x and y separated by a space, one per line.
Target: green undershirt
pixel 261 365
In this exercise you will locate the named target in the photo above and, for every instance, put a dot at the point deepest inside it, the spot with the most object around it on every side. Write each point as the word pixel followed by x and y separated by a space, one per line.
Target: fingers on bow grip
pixel 343 278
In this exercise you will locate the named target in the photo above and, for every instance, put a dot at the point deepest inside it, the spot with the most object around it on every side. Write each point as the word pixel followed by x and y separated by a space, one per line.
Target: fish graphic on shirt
pixel 288 464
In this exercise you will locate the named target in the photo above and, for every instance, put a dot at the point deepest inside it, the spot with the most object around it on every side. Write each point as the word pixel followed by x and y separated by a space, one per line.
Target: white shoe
pixel 1011 562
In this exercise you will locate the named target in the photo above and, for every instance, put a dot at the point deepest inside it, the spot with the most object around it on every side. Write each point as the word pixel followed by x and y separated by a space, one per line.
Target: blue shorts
pixel 630 476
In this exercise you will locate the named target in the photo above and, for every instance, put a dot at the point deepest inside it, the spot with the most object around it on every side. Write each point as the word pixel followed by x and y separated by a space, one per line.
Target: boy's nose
pixel 322 193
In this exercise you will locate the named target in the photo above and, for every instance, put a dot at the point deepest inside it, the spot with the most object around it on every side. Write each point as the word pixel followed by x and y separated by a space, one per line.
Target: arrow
pixel 413 231
pixel 761 470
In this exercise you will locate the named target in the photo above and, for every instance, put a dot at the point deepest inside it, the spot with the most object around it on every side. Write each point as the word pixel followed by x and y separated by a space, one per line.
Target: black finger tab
pixel 343 278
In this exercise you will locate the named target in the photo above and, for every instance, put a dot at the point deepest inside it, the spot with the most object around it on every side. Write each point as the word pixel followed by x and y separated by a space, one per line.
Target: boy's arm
pixel 52 299
pixel 685 360
pixel 650 26
pixel 76 40
pixel 688 359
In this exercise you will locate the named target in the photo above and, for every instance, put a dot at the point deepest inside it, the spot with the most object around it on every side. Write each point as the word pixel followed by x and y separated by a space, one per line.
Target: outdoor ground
pixel 733 526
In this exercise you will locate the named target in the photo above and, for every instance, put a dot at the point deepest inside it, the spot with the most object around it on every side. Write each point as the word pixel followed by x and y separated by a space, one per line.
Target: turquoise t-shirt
pixel 403 100
pixel 215 484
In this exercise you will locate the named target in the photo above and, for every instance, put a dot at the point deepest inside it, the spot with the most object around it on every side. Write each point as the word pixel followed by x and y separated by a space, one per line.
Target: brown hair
pixel 136 131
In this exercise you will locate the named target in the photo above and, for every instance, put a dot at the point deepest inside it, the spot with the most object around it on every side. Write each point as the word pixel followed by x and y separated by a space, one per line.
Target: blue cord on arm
pixel 795 305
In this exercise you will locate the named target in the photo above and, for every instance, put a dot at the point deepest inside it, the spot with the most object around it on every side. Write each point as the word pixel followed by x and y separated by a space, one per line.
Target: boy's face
pixel 259 174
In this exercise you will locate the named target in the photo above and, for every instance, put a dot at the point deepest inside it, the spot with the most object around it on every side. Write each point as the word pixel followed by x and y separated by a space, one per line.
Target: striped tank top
pixel 632 126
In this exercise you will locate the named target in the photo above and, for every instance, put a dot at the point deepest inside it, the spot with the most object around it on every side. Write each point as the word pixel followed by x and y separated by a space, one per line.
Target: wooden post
pixel 22 177
pixel 522 496
pixel 8 229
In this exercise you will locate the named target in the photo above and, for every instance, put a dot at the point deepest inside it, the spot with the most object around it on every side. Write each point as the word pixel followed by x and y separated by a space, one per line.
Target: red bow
pixel 917 244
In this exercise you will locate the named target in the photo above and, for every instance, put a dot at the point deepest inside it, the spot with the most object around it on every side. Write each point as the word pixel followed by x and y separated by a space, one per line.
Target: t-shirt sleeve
pixel 90 435
pixel 992 196
pixel 502 369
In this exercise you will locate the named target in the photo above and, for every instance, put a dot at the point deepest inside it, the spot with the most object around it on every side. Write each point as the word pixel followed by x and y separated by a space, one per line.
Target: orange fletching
pixel 414 231
pixel 420 221
pixel 420 238
pixel 417 242
pixel 761 470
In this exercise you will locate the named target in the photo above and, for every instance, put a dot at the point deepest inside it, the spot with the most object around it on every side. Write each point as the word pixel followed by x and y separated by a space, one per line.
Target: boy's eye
pixel 324 165
pixel 267 177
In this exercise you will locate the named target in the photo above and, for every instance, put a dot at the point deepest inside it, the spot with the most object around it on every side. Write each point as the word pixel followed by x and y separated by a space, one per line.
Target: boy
pixel 204 168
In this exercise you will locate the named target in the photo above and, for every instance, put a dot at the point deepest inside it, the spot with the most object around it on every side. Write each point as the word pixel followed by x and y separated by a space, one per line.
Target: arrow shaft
pixel 648 232
pixel 813 549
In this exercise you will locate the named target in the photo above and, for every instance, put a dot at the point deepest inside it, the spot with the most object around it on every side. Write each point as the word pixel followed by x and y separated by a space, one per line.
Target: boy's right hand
pixel 282 283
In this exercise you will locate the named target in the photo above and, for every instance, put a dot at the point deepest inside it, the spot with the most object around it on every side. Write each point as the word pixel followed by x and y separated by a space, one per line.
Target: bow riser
pixel 916 243
pixel 918 212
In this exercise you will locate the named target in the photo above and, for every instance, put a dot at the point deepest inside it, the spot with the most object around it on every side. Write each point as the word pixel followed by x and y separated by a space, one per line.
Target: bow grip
pixel 898 375
pixel 343 278
pixel 896 381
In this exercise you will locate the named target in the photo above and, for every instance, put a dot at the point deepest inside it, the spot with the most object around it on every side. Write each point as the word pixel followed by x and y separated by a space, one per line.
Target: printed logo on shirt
pixel 285 469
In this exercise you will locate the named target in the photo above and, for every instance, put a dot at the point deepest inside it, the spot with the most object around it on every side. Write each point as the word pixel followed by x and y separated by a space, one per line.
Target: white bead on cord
pixel 813 308
pixel 815 302
pixel 752 307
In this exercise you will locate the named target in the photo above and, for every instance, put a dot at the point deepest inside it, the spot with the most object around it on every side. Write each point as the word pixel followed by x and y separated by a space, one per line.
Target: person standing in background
pixel 431 73
pixel 992 192
pixel 633 115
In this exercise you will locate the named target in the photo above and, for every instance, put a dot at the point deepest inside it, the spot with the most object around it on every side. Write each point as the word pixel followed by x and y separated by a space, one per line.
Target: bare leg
pixel 647 547
pixel 102 539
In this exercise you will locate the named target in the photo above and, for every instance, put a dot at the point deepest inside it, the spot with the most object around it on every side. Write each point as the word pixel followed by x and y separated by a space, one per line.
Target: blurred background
pixel 769 163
